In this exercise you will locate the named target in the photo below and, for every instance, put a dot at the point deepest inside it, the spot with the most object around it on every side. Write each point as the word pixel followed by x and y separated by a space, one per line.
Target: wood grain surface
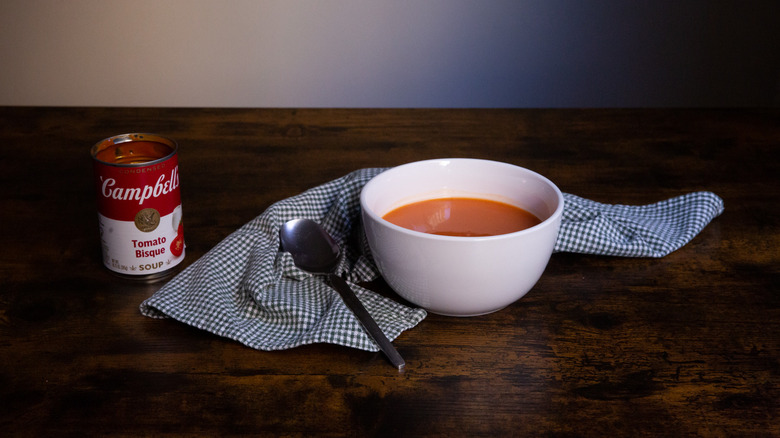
pixel 685 345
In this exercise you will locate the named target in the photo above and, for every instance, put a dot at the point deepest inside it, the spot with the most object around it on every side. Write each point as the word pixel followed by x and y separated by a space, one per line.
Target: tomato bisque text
pixel 139 204
pixel 160 250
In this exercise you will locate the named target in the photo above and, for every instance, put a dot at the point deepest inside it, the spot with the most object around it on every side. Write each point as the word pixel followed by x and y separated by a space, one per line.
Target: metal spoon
pixel 315 251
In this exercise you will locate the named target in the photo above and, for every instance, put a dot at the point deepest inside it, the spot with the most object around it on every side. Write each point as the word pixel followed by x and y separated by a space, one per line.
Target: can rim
pixel 131 137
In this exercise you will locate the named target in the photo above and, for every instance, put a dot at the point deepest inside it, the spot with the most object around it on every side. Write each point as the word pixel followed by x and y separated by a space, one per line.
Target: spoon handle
pixel 366 320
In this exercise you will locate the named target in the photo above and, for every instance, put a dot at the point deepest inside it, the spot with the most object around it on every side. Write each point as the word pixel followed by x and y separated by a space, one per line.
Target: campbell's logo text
pixel 163 186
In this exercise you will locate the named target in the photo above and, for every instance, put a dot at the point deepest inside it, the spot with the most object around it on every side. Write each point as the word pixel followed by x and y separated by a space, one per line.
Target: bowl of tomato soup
pixel 461 237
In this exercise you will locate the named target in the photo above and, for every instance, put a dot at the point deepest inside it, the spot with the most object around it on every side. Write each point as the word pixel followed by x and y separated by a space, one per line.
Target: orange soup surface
pixel 467 217
pixel 133 152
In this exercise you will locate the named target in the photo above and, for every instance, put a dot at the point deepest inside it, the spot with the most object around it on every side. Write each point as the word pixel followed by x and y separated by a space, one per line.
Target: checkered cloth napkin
pixel 246 289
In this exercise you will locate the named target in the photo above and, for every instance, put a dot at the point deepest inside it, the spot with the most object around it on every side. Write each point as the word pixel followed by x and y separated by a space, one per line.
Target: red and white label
pixel 139 213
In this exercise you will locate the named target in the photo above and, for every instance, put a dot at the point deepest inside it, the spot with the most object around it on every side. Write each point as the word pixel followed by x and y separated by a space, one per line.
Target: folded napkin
pixel 246 289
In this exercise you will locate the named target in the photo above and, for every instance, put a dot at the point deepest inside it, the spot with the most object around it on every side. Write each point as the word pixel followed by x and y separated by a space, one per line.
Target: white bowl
pixel 461 276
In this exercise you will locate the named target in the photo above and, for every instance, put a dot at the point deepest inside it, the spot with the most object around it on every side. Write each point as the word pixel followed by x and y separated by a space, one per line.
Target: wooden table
pixel 602 346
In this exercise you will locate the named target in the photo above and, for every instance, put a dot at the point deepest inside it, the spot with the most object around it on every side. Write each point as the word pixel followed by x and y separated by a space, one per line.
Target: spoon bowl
pixel 310 246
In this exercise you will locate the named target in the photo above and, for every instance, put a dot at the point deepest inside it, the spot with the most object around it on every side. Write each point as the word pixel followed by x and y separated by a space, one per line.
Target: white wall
pixel 390 53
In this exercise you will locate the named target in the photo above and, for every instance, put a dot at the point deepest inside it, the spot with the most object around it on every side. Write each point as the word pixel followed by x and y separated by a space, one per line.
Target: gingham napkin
pixel 652 230
pixel 246 289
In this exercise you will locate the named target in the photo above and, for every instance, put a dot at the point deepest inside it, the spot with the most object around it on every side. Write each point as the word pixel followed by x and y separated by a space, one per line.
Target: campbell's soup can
pixel 139 205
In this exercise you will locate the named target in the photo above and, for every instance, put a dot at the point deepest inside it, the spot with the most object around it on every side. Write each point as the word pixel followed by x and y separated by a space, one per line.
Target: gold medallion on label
pixel 147 220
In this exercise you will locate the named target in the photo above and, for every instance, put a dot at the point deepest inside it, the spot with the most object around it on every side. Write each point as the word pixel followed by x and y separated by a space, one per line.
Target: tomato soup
pixel 467 217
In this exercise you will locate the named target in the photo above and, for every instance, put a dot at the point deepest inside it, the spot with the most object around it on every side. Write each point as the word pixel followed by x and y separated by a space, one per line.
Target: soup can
pixel 139 205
